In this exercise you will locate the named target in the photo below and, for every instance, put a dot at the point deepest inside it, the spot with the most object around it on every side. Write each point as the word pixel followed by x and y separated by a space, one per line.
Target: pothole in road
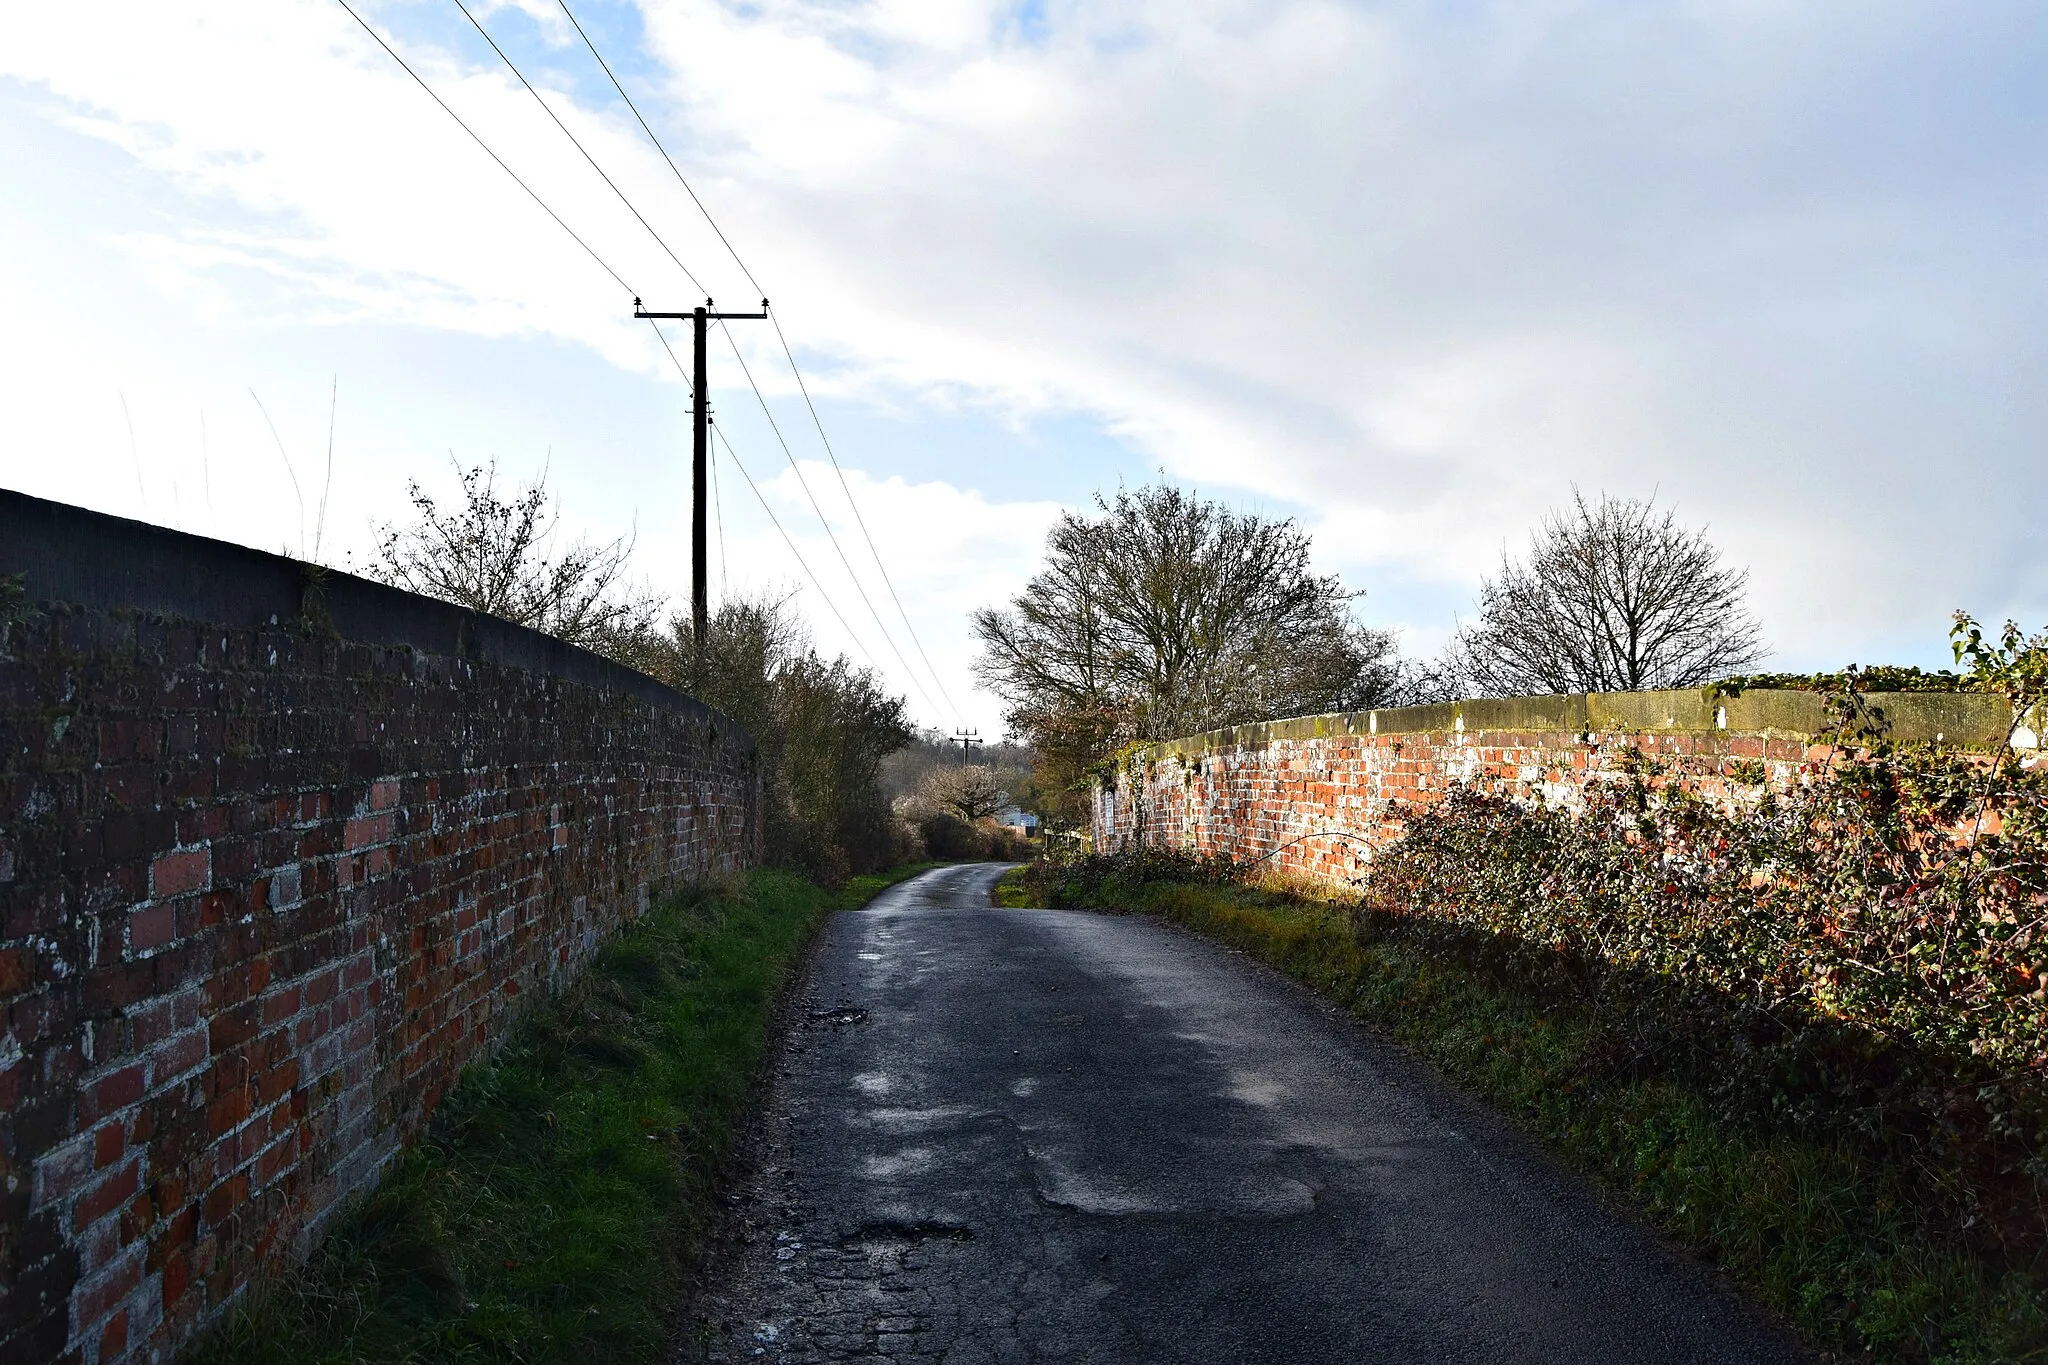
pixel 839 1018
pixel 910 1232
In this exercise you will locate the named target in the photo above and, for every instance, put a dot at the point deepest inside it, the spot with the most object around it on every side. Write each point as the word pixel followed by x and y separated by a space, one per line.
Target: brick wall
pixel 270 876
pixel 1316 796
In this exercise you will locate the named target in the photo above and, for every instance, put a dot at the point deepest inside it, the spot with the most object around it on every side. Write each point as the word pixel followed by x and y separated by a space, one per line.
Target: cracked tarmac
pixel 1024 1135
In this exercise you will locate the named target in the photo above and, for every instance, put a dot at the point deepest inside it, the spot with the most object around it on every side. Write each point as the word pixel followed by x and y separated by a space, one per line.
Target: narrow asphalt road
pixel 1020 1135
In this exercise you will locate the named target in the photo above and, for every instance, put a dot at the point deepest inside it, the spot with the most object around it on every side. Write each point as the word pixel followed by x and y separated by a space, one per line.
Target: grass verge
pixel 1013 891
pixel 1823 1234
pixel 563 1192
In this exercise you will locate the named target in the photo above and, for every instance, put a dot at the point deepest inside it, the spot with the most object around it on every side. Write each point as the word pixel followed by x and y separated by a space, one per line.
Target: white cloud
pixel 948 551
pixel 1411 268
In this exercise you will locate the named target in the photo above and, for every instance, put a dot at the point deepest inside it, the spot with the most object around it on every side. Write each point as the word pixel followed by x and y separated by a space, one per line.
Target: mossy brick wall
pixel 266 888
pixel 1318 795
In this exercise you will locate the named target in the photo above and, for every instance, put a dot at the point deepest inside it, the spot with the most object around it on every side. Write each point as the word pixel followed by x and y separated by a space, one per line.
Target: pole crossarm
pixel 686 317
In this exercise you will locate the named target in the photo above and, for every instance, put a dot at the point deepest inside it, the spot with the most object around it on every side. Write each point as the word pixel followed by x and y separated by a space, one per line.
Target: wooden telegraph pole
pixel 700 455
pixel 966 739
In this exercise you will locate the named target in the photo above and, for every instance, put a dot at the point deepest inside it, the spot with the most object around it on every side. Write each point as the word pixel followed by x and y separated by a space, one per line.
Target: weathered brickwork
pixel 1315 797
pixel 263 893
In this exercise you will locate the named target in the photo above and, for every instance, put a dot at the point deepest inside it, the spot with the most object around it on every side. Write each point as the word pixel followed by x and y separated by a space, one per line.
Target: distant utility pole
pixel 966 740
pixel 700 427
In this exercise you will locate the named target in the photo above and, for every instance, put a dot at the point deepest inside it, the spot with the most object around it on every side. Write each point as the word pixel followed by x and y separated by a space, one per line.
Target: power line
pixel 485 145
pixel 680 177
pixel 549 111
pixel 741 466
pixel 620 281
pixel 662 336
pixel 859 520
pixel 790 355
pixel 830 534
pixel 795 553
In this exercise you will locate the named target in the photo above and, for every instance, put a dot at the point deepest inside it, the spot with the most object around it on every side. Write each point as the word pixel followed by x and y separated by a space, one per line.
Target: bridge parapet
pixel 281 850
pixel 1318 795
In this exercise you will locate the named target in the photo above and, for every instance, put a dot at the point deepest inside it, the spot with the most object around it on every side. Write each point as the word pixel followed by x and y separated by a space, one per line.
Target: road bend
pixel 1024 1135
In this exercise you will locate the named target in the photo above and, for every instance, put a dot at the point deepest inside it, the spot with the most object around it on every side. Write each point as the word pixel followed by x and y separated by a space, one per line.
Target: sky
pixel 1408 273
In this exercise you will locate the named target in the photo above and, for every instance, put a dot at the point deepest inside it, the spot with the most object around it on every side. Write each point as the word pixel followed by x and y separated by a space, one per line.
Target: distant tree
pixel 906 769
pixel 1165 615
pixel 973 792
pixel 1613 597
pixel 494 554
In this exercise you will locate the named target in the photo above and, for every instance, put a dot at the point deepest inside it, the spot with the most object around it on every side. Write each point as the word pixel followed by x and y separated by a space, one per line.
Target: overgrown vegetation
pixel 1863 678
pixel 1809 1035
pixel 1016 889
pixel 952 814
pixel 554 1209
pixel 1823 1228
pixel 823 728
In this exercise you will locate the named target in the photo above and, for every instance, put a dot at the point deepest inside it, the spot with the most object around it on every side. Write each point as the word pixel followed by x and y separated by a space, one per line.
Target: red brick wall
pixel 1318 804
pixel 263 893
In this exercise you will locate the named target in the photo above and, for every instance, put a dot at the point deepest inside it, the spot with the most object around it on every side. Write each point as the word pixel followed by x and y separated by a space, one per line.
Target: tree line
pixel 1158 613
pixel 1165 614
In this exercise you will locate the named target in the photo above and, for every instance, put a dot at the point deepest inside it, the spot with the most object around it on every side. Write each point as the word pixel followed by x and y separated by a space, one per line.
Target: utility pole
pixel 700 456
pixel 966 740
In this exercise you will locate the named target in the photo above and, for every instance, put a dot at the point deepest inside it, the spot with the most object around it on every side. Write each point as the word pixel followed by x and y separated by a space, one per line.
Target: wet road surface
pixel 1022 1135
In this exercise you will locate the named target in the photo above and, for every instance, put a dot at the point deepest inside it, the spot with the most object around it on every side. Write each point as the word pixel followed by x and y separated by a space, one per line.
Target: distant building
pixel 1014 818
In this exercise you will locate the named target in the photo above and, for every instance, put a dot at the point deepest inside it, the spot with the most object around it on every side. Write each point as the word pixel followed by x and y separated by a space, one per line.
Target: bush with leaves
pixel 822 727
pixel 1866 954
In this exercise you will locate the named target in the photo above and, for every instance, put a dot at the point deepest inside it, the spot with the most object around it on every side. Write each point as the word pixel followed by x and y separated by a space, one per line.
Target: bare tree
pixel 1614 597
pixel 905 769
pixel 493 554
pixel 1167 615
pixel 973 792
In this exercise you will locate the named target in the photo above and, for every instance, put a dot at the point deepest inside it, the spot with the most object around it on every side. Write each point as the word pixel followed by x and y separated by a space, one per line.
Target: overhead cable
pixel 549 111
pixel 859 520
pixel 588 249
pixel 620 281
pixel 513 67
pixel 830 534
pixel 740 465
pixel 797 554
pixel 790 355
pixel 680 177
pixel 718 514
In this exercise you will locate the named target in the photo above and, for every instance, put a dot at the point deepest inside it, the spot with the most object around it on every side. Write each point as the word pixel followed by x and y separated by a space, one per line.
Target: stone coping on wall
pixel 73 556
pixel 1970 720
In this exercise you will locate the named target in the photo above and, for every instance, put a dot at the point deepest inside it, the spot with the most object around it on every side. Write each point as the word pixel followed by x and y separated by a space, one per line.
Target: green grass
pixel 1817 1230
pixel 1012 891
pixel 563 1193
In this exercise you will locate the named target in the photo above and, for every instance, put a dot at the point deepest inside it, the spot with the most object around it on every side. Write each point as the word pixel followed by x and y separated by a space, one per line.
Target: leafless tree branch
pixel 1615 596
